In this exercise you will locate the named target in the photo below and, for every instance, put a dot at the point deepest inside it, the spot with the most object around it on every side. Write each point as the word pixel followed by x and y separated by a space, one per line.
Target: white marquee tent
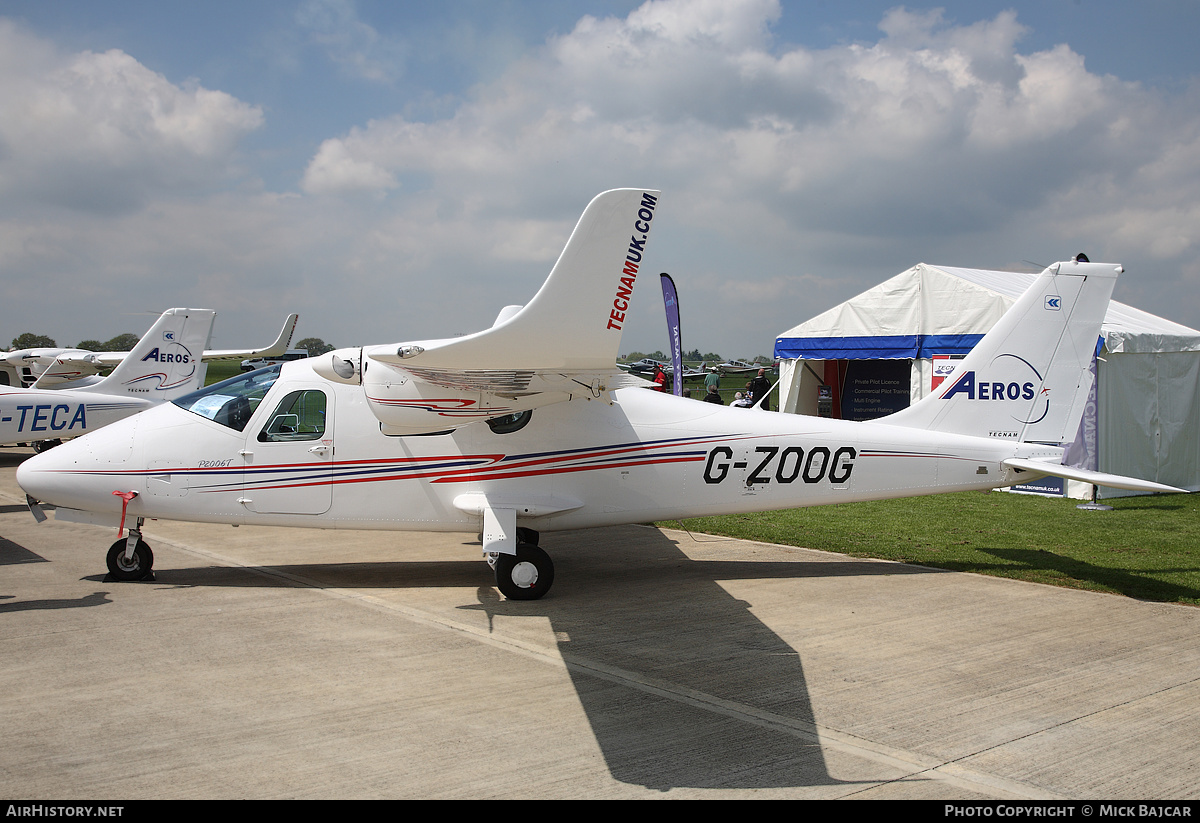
pixel 1145 423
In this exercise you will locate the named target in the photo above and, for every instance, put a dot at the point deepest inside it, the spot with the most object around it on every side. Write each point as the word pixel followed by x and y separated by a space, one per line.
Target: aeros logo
pixel 175 366
pixel 173 353
pixel 976 389
pixel 1010 379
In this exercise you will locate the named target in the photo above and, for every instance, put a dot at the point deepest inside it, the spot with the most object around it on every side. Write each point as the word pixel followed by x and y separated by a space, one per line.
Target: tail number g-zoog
pixel 783 465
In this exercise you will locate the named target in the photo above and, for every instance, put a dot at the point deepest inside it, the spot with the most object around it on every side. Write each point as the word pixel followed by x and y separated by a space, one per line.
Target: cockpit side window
pixel 231 402
pixel 300 415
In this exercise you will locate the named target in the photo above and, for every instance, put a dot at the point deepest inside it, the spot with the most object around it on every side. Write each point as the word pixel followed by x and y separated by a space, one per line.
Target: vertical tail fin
pixel 166 362
pixel 1026 379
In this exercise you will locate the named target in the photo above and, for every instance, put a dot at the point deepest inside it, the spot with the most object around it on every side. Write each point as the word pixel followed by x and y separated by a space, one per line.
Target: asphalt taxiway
pixel 296 663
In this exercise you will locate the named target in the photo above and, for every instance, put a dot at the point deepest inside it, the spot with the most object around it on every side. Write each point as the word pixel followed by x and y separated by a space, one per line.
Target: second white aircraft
pixel 162 366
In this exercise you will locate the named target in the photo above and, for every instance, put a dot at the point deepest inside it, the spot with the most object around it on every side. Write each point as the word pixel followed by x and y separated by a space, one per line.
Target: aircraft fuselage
pixel 580 463
pixel 32 415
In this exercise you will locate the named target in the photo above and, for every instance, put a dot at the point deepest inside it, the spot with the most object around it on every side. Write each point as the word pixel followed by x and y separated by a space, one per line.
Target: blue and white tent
pixel 1147 416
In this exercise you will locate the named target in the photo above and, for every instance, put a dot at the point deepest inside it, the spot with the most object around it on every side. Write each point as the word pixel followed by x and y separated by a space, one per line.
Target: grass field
pixel 219 370
pixel 1147 547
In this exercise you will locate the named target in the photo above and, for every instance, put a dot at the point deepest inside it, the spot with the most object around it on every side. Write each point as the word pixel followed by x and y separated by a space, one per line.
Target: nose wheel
pixel 526 575
pixel 126 569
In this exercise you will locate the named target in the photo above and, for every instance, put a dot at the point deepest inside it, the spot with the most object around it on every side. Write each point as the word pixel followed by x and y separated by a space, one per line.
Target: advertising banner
pixel 671 301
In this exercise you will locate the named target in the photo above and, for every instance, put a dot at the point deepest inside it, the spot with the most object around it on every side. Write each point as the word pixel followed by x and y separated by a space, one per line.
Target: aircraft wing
pixel 526 382
pixel 562 344
pixel 274 350
pixel 72 365
pixel 1116 481
pixel 423 400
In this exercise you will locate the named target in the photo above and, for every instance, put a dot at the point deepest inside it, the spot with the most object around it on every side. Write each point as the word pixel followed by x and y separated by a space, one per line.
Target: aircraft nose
pixel 35 473
pixel 46 477
pixel 81 473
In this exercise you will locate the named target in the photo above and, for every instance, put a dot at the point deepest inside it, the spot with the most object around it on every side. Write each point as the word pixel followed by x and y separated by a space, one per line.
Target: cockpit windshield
pixel 231 402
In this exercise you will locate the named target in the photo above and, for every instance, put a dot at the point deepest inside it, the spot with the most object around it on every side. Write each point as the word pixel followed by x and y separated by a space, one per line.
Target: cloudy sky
pixel 399 171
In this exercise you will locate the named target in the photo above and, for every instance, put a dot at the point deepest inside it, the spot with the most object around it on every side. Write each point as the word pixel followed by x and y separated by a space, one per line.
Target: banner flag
pixel 1083 452
pixel 671 301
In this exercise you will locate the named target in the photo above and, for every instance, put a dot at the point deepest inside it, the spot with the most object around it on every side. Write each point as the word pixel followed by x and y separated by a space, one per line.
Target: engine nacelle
pixel 340 366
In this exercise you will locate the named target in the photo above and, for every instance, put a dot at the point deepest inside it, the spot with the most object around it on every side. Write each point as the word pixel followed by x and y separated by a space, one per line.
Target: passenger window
pixel 299 416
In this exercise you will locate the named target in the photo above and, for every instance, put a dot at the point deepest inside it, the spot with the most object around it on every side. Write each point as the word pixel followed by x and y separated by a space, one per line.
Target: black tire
pixel 40 446
pixel 527 575
pixel 137 568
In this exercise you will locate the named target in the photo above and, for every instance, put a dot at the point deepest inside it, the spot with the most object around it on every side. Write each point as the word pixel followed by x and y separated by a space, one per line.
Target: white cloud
pixel 100 131
pixel 792 177
pixel 335 27
pixel 934 141
pixel 334 169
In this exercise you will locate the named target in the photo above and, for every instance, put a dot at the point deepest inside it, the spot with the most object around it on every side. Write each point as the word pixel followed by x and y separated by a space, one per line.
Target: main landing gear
pixel 526 575
pixel 130 558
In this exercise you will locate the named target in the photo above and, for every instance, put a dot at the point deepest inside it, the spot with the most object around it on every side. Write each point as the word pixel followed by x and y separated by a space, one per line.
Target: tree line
pixel 693 356
pixel 125 342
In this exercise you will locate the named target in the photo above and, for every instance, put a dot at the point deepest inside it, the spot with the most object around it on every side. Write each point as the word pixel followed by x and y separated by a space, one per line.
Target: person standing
pixel 712 379
pixel 760 388
pixel 660 379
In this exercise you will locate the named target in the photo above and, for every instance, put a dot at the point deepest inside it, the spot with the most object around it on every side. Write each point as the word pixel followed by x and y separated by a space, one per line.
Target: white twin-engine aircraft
pixel 529 426
pixel 163 365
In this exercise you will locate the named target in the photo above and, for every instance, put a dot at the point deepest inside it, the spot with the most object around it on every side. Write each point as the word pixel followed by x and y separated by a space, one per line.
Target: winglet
pixel 279 347
pixel 282 342
pixel 574 322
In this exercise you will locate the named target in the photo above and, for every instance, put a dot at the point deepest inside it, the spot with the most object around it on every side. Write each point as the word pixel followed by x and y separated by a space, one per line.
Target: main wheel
pixel 137 567
pixel 527 575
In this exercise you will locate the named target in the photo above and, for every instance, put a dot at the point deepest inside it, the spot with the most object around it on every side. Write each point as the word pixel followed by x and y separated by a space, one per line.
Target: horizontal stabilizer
pixel 1115 481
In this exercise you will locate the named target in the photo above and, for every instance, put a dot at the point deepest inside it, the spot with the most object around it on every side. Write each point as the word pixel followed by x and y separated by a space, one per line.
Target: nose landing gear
pixel 139 566
pixel 130 558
